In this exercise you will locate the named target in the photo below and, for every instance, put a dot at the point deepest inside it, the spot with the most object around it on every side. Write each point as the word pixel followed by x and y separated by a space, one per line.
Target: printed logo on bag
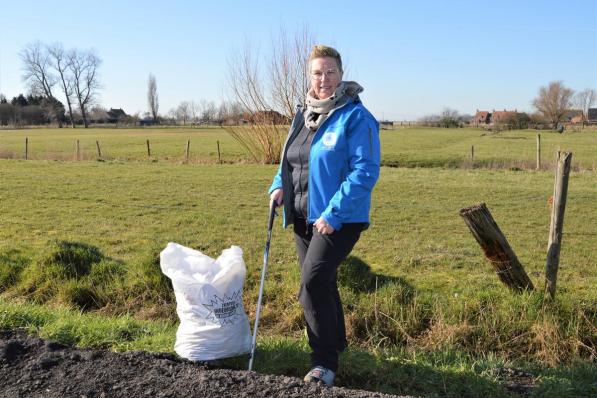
pixel 329 140
pixel 226 309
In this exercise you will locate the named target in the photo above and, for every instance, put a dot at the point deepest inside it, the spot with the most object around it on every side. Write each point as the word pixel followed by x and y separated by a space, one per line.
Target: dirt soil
pixel 32 367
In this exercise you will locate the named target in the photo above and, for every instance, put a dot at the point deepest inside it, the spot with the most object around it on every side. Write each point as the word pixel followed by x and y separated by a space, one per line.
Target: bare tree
pixel 223 111
pixel 59 61
pixel 584 100
pixel 183 112
pixel 209 111
pixel 195 111
pixel 83 66
pixel 36 69
pixel 287 83
pixel 171 117
pixel 37 74
pixel 449 118
pixel 152 97
pixel 288 71
pixel 553 101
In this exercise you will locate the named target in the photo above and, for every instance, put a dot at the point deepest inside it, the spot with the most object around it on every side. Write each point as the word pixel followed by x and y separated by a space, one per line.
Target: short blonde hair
pixel 320 51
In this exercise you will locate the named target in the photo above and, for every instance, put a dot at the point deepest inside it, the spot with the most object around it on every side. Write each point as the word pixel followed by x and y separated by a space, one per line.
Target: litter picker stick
pixel 272 213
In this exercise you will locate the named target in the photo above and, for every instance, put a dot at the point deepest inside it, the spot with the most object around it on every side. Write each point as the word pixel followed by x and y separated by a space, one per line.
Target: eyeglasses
pixel 318 74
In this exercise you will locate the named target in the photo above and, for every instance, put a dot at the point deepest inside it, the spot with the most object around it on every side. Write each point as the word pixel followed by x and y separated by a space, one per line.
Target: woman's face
pixel 325 76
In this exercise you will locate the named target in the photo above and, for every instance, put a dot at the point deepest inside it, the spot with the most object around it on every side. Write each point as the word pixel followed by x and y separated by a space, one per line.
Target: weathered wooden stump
pixel 496 247
pixel 560 191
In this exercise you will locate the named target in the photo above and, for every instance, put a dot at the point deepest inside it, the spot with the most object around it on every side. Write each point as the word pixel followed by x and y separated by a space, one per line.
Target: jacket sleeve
pixel 363 170
pixel 277 183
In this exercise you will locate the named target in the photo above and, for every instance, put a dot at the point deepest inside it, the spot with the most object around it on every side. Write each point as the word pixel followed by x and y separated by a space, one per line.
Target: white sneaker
pixel 319 374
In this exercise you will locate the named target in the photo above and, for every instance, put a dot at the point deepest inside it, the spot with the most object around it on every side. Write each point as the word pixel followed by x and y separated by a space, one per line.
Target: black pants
pixel 319 257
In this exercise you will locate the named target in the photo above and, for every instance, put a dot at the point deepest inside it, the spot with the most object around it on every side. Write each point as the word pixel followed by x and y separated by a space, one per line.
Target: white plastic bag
pixel 209 302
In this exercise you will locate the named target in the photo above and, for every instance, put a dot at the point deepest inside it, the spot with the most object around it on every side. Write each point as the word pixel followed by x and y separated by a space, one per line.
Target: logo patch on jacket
pixel 329 140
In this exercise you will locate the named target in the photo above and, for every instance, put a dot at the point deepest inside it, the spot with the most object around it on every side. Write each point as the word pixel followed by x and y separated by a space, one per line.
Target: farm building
pixel 116 115
pixel 266 117
pixel 503 116
pixel 488 119
pixel 481 118
pixel 592 116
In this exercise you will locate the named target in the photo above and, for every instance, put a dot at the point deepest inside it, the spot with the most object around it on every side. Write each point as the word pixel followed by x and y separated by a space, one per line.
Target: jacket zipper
pixel 301 172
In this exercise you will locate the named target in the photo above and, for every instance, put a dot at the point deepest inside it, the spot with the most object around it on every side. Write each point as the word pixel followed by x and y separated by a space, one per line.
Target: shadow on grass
pixel 356 275
pixel 365 371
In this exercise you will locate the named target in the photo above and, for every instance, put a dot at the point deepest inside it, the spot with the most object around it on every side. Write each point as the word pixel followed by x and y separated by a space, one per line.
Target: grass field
pixel 439 309
pixel 410 147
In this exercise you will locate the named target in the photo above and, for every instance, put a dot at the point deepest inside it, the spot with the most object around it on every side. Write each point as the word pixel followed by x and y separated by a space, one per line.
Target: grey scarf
pixel 317 111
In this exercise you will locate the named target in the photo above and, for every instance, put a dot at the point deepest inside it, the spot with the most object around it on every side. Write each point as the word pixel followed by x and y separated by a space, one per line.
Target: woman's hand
pixel 323 227
pixel 277 196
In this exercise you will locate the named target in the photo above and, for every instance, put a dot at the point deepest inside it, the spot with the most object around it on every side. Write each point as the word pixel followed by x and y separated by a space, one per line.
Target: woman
pixel 329 166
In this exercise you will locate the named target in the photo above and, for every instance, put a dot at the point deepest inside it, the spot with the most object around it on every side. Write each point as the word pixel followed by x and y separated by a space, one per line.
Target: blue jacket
pixel 343 167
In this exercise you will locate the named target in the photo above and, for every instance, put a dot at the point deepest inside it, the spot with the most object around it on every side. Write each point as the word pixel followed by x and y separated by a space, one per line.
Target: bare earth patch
pixel 32 367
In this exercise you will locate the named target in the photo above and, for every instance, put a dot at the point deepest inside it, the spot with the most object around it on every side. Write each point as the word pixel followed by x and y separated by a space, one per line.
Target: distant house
pixel 116 115
pixel 503 116
pixel 592 116
pixel 572 116
pixel 481 118
pixel 267 117
pixel 578 119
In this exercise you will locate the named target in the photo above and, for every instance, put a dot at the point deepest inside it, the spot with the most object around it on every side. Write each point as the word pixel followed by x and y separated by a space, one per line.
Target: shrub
pixel 106 272
pixel 55 273
pixel 68 259
pixel 79 294
pixel 146 282
pixel 11 266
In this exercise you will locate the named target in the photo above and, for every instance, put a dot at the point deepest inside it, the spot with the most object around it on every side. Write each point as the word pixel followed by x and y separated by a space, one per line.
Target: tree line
pixel 49 69
pixel 64 86
pixel 552 104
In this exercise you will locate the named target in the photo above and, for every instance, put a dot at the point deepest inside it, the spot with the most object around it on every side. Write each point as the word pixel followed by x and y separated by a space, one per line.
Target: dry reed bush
pixel 162 312
pixel 445 335
pixel 5 154
pixel 388 316
pixel 263 141
pixel 292 321
pixel 549 345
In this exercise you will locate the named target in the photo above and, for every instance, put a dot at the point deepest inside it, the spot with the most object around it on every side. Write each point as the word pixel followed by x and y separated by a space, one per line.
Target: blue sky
pixel 412 57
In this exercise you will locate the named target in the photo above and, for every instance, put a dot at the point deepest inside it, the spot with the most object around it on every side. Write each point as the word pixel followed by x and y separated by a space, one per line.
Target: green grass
pixel 442 373
pixel 409 147
pixel 86 235
pixel 436 147
pixel 166 144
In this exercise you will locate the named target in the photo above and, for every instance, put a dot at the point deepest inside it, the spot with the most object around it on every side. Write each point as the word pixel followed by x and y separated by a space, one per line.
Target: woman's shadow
pixel 356 275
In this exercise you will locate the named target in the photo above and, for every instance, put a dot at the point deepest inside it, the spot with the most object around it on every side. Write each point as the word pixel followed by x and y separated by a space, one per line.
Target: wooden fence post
pixel 78 151
pixel 148 150
pixel 99 151
pixel 472 155
pixel 219 156
pixel 560 191
pixel 538 151
pixel 188 148
pixel 496 247
pixel 26 148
